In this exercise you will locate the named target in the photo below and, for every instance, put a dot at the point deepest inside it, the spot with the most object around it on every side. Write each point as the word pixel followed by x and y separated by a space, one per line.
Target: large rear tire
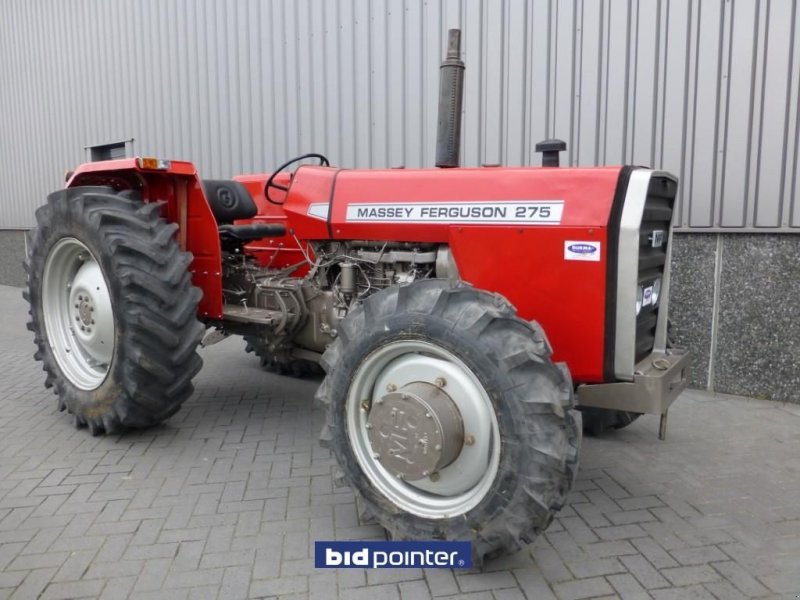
pixel 112 308
pixel 516 450
pixel 280 363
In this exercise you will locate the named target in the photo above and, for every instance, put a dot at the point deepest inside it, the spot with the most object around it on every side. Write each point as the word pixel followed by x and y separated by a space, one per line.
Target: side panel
pixel 186 204
pixel 528 266
pixel 309 198
pixel 586 196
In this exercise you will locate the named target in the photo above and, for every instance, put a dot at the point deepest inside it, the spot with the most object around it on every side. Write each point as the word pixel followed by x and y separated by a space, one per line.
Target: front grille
pixel 652 260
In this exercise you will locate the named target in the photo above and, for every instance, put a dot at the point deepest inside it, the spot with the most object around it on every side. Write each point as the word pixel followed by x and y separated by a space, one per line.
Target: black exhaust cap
pixel 550 150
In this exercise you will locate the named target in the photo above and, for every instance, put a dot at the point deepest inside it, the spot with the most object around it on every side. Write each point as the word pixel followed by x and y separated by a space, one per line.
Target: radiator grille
pixel 656 221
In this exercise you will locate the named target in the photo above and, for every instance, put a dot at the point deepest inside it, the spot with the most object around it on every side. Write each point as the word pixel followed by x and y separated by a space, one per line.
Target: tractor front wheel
pixel 448 418
pixel 598 420
pixel 112 308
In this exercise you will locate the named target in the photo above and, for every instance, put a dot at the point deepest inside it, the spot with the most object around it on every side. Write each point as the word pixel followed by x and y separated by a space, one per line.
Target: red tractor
pixel 460 316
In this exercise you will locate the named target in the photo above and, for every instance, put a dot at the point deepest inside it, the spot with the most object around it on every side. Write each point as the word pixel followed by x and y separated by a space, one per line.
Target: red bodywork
pixel 524 262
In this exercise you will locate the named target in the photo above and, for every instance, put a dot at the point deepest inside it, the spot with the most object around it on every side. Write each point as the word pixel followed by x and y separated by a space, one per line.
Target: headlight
pixel 639 299
pixel 656 290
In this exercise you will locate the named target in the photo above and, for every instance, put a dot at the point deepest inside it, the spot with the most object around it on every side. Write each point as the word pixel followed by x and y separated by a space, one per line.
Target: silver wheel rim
pixel 78 316
pixel 461 485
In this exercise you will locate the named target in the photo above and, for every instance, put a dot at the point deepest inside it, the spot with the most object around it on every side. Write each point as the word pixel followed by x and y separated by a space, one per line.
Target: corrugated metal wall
pixel 707 90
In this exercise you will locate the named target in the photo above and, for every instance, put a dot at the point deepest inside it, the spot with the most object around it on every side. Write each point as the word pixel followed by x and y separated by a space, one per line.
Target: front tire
pixel 445 348
pixel 112 308
pixel 598 420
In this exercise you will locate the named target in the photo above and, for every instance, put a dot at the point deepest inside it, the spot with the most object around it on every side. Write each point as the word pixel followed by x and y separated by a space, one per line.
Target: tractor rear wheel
pixel 112 308
pixel 448 418
pixel 280 363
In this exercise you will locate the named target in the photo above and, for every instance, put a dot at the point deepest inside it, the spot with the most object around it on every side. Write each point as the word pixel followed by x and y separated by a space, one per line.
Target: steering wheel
pixel 323 162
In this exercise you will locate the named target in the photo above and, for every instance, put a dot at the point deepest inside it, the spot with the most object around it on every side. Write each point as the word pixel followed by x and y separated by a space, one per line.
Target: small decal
pixel 577 250
pixel 505 212
pixel 647 296
pixel 319 210
pixel 657 238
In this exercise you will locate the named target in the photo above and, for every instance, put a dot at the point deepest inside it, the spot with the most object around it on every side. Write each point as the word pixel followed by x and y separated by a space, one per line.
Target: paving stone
pixel 740 578
pixel 279 586
pixel 783 583
pixel 593 567
pixel 654 553
pixel 694 592
pixel 33 585
pixel 698 556
pixel 685 576
pixel 73 589
pixel 724 590
pixel 441 582
pixel 485 581
pixel 644 572
pixel 627 587
pixel 583 588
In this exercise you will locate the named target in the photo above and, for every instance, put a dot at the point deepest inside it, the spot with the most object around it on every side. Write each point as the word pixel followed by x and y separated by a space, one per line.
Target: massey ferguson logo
pixel 501 212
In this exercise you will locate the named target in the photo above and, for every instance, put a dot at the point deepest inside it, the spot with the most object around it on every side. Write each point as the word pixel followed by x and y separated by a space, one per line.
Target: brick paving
pixel 226 499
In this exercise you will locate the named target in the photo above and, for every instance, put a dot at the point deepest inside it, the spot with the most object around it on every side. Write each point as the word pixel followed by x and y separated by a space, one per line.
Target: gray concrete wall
pixel 750 282
pixel 734 303
pixel 12 253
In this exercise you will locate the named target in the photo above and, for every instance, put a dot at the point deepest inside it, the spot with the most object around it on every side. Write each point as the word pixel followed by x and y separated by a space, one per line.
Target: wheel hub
pixel 85 309
pixel 415 431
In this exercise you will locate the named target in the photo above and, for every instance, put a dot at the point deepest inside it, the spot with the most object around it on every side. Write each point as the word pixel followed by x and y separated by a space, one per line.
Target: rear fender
pixel 178 186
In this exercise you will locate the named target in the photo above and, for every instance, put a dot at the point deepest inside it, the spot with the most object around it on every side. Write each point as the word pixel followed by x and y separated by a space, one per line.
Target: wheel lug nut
pixel 92 321
pixel 368 426
pixel 376 456
pixel 434 476
pixel 391 387
pixel 469 439
pixel 83 328
pixel 77 318
pixel 440 382
pixel 364 404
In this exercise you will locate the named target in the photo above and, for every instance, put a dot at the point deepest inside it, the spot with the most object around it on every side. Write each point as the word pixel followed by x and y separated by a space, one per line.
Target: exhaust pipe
pixel 451 99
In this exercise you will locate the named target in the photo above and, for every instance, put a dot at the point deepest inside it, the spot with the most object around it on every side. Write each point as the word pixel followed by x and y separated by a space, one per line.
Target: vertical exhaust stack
pixel 451 99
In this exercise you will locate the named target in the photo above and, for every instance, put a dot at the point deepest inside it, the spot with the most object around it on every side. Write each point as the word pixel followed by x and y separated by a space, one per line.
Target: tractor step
pixel 246 314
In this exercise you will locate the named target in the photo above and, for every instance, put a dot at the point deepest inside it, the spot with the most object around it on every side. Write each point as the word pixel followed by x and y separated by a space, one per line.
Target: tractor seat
pixel 230 201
